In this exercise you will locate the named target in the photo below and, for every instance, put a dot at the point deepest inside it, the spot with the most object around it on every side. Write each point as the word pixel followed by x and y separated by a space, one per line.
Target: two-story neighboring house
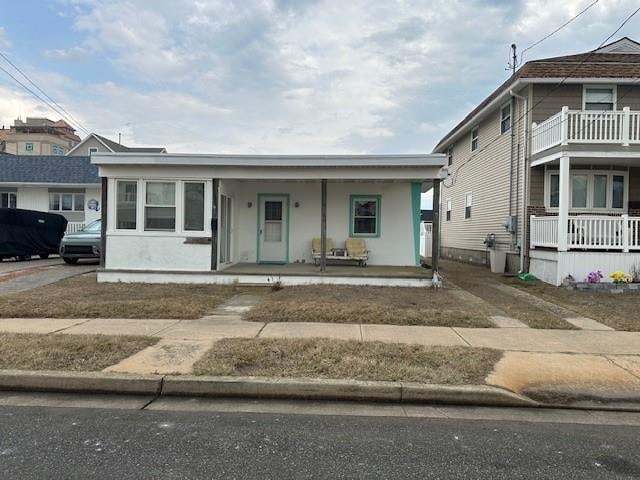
pixel 550 164
pixel 94 143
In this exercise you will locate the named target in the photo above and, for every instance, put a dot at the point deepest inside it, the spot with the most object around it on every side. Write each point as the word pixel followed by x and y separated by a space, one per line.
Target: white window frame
pixel 505 105
pixel 590 190
pixel 10 194
pixel 114 214
pixel 184 205
pixel 450 155
pixel 607 85
pixel 92 150
pixel 468 203
pixel 73 201
pixel 447 213
pixel 26 149
pixel 474 138
pixel 177 219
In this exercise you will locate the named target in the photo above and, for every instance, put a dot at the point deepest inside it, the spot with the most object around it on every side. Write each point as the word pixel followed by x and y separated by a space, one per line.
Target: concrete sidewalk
pixel 225 326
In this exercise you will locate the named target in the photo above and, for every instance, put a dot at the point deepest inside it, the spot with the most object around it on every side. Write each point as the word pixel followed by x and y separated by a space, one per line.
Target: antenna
pixel 512 64
pixel 119 138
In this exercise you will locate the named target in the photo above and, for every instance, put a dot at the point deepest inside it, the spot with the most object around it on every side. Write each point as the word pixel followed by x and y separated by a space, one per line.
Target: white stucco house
pixel 68 186
pixel 252 218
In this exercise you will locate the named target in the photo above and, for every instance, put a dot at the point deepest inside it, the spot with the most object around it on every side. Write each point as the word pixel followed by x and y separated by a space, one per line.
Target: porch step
pixel 584 323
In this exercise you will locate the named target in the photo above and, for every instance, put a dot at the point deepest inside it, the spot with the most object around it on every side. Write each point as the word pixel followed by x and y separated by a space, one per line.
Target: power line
pixel 557 29
pixel 59 110
pixel 557 86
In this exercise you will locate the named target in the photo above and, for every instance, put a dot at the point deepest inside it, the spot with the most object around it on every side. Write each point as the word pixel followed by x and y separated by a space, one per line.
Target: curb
pixel 259 388
pixel 80 382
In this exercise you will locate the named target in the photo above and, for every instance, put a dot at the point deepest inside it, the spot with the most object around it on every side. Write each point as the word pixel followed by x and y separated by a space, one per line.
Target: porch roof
pixel 217 160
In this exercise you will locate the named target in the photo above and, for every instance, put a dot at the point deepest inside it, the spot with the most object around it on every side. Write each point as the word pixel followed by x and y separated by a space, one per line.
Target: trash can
pixel 498 260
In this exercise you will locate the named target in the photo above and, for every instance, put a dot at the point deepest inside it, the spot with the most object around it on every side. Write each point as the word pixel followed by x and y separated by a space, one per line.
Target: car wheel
pixel 70 261
pixel 44 256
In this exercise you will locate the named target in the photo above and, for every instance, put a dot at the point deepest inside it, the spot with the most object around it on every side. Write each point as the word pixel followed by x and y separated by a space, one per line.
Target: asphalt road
pixel 83 443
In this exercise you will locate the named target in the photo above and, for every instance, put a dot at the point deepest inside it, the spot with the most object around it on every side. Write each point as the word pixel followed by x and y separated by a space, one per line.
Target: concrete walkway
pixel 600 342
pixel 21 280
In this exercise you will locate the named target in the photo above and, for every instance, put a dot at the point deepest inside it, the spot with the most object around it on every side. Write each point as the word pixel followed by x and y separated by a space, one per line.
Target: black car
pixel 24 233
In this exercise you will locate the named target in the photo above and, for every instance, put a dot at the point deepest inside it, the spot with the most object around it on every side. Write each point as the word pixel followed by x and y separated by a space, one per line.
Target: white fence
pixel 74 227
pixel 426 235
pixel 588 232
pixel 586 126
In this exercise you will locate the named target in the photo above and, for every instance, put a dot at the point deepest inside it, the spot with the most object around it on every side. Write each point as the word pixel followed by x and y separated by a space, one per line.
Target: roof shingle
pixel 47 169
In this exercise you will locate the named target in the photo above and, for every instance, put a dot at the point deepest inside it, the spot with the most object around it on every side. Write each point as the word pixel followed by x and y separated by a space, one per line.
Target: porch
pixel 290 274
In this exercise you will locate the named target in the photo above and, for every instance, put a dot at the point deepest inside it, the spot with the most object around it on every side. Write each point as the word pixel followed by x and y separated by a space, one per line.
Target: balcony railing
pixel 588 232
pixel 586 126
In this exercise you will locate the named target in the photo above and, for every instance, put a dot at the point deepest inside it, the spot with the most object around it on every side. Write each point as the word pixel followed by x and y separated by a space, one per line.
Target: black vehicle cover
pixel 28 232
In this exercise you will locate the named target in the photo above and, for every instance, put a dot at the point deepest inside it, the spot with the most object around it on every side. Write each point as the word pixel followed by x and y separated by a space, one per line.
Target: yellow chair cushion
pixel 356 247
pixel 316 246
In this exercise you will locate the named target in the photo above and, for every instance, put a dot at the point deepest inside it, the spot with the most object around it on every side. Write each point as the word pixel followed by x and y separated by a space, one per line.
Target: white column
pixel 625 233
pixel 563 210
pixel 625 126
pixel 564 126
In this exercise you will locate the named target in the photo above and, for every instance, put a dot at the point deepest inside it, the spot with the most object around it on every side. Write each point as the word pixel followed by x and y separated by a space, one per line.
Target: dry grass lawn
pixel 381 305
pixel 621 312
pixel 84 297
pixel 67 352
pixel 339 359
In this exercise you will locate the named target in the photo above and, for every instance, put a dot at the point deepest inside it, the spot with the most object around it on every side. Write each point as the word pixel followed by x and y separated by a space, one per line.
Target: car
pixel 85 243
pixel 24 233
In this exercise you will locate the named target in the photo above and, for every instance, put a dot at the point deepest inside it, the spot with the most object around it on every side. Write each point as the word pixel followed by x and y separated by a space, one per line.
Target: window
pixel 126 200
pixel 505 118
pixel 579 191
pixel 468 202
pixel 28 147
pixel 365 216
pixel 589 190
pixel 8 199
pixel 93 150
pixel 160 206
pixel 194 206
pixel 66 202
pixel 474 139
pixel 57 150
pixel 450 155
pixel 599 98
pixel 448 212
pixel 554 190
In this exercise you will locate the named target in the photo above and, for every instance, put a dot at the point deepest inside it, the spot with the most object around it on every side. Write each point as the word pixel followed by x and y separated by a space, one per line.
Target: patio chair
pixel 316 249
pixel 357 250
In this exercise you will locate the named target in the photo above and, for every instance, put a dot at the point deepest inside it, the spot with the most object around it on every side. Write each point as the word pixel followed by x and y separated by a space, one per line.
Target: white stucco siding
pixel 139 252
pixel 394 246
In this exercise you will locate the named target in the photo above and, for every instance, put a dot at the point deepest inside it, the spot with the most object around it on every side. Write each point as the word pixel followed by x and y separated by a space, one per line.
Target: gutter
pixel 523 220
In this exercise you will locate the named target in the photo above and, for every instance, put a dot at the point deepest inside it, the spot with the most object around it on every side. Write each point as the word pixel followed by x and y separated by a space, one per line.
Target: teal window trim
pixel 416 193
pixel 378 199
pixel 287 233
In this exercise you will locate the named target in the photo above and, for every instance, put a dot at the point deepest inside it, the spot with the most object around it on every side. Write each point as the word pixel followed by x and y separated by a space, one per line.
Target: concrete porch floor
pixel 333 270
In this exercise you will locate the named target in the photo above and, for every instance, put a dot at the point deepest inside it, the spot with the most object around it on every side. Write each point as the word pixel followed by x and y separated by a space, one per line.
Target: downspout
pixel 523 221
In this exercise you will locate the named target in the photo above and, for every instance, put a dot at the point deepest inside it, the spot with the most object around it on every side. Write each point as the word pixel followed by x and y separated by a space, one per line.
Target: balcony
pixel 566 127
pixel 587 232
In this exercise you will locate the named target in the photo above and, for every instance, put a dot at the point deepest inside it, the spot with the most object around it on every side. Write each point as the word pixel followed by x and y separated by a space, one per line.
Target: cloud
pixel 4 41
pixel 73 54
pixel 305 76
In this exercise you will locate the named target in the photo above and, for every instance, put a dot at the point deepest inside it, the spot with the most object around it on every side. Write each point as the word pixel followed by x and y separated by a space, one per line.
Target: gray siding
pixel 552 98
pixel 629 96
pixel 83 151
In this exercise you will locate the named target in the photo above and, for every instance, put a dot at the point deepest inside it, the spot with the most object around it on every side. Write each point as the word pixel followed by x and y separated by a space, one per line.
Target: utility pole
pixel 513 64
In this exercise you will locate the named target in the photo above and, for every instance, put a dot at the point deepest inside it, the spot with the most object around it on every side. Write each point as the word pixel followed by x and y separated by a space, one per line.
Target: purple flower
pixel 594 277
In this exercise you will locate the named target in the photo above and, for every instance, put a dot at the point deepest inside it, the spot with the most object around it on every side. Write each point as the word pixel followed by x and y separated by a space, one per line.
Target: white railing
pixel 588 232
pixel 74 227
pixel 426 232
pixel 585 126
pixel 544 231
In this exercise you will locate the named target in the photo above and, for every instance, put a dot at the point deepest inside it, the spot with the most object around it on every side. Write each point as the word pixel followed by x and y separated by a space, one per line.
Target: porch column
pixel 214 224
pixel 103 222
pixel 563 206
pixel 435 229
pixel 323 225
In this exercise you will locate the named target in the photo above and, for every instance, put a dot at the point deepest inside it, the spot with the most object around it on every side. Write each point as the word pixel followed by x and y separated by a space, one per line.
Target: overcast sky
pixel 280 76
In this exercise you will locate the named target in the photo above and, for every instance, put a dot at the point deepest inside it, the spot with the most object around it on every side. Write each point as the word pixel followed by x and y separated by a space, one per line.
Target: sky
pixel 280 76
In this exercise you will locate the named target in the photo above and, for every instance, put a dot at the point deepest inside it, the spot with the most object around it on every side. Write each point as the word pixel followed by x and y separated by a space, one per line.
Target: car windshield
pixel 92 227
